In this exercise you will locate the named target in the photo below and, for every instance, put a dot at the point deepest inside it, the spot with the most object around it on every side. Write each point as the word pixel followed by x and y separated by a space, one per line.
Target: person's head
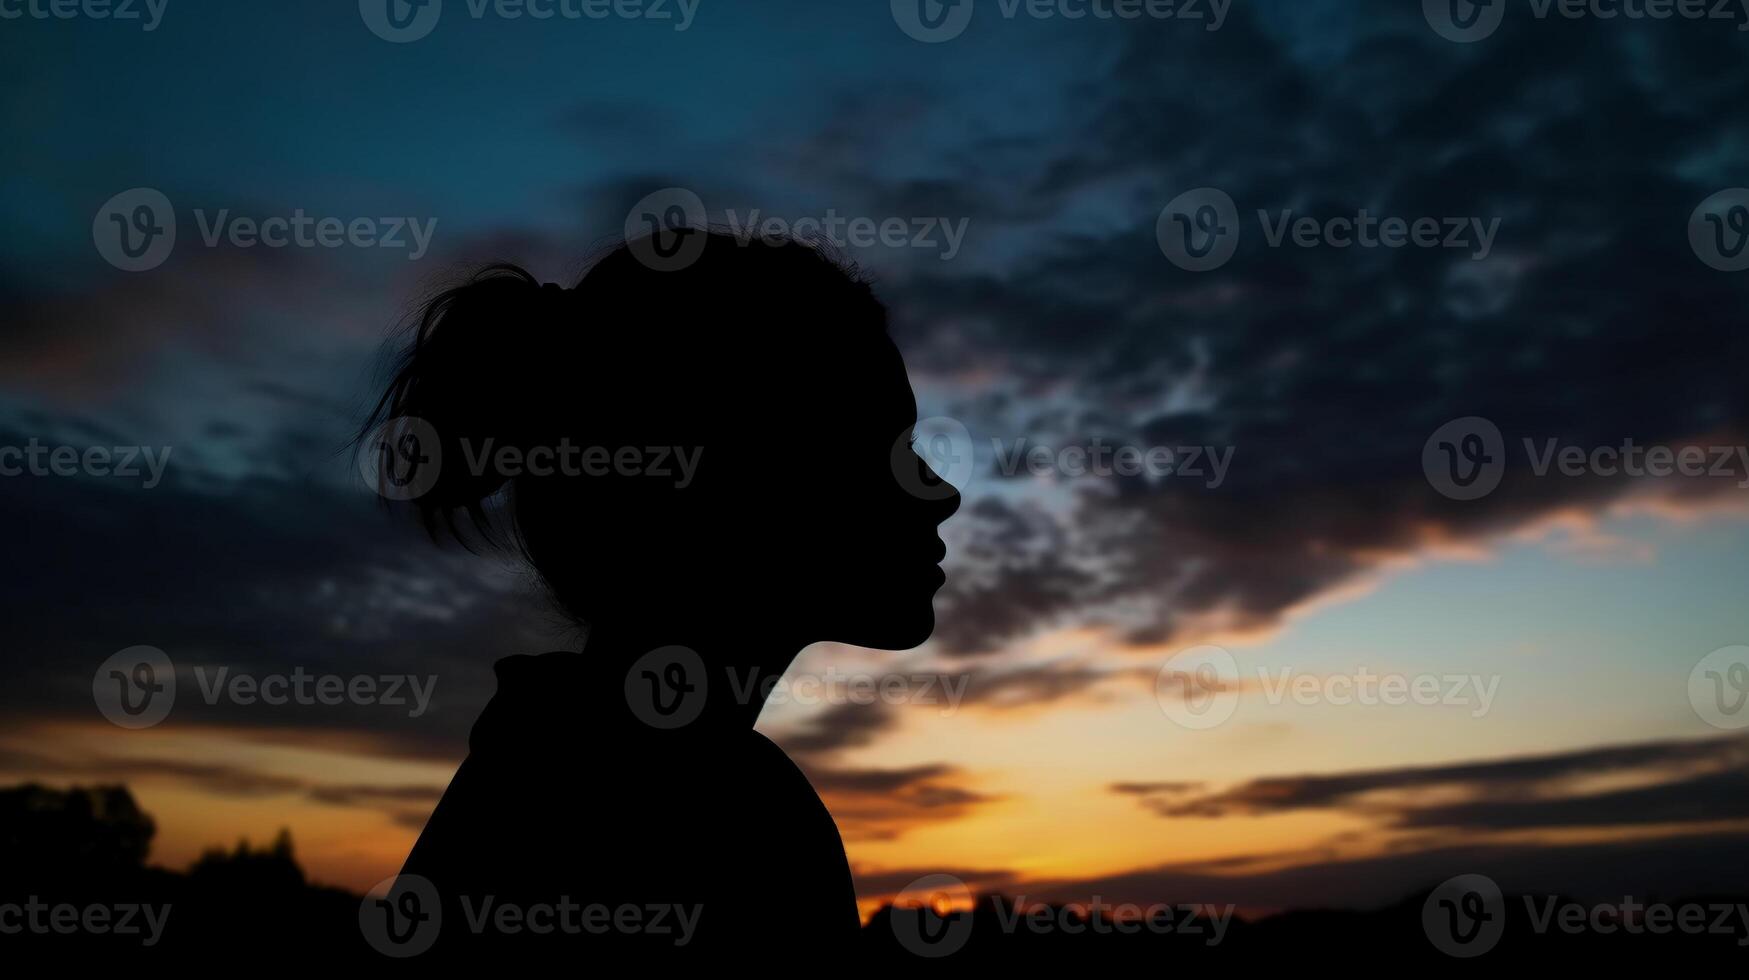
pixel 718 447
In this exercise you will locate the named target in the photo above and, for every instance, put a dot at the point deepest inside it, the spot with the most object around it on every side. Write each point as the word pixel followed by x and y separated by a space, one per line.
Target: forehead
pixel 840 396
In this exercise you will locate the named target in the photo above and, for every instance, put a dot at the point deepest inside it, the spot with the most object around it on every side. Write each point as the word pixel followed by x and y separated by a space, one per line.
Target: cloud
pixel 407 804
pixel 885 804
pixel 1690 865
pixel 1685 781
pixel 1326 370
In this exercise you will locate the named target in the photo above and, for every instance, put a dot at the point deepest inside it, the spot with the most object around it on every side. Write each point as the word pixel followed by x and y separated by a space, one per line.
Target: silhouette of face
pixel 869 548
pixel 821 524
pixel 805 516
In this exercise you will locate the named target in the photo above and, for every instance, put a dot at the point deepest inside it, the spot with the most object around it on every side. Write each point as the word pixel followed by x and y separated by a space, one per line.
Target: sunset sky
pixel 1582 604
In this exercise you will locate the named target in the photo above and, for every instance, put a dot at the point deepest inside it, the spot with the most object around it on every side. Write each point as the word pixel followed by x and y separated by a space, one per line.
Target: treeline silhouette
pixel 64 853
pixel 253 906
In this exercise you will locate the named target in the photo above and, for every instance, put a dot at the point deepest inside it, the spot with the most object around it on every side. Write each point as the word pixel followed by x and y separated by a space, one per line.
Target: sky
pixel 1565 620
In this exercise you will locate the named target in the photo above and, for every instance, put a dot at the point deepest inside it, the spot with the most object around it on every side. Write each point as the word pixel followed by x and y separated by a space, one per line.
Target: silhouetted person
pixel 598 778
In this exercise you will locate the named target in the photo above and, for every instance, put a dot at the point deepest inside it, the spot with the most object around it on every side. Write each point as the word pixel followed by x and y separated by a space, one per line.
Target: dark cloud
pixel 1695 781
pixel 1688 865
pixel 260 576
pixel 1047 683
pixel 407 804
pixel 884 804
pixel 841 726
pixel 1327 370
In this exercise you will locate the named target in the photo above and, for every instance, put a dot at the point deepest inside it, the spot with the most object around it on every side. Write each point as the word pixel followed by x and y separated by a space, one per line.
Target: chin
pixel 900 626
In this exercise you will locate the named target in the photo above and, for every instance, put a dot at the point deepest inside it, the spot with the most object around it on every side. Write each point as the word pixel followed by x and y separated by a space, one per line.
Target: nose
pixel 942 497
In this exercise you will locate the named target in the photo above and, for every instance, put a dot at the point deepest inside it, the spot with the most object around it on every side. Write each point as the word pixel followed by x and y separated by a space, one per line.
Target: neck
pixel 737 673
